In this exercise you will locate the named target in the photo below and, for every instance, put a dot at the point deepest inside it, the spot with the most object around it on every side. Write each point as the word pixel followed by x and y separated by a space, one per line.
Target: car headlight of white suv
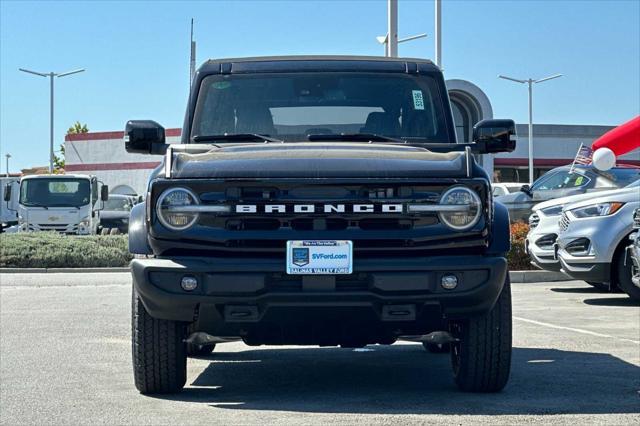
pixel 595 210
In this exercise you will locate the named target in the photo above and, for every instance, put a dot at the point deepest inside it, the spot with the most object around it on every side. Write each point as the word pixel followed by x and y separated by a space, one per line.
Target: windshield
pixel 622 176
pixel 291 106
pixel 66 192
pixel 118 204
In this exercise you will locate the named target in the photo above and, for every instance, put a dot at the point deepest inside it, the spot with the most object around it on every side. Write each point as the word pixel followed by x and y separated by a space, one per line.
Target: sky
pixel 136 56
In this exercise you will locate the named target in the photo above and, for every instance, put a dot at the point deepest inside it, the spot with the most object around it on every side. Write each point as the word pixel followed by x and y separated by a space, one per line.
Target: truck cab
pixel 319 200
pixel 68 204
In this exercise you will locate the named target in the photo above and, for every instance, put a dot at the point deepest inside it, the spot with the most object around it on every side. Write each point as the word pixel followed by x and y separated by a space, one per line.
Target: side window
pixel 550 181
pixel 561 180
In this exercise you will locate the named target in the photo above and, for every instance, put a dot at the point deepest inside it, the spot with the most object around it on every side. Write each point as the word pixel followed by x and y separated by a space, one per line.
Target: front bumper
pixel 594 264
pixel 543 256
pixel 265 294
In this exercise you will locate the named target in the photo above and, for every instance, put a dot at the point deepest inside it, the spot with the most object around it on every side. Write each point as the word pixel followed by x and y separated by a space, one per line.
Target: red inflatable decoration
pixel 616 142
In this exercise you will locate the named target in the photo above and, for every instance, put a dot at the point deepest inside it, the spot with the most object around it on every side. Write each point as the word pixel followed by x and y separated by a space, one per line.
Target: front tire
pixel 159 352
pixel 481 359
pixel 624 274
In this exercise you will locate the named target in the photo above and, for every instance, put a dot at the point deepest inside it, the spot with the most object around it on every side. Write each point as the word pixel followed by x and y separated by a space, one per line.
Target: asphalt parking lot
pixel 65 359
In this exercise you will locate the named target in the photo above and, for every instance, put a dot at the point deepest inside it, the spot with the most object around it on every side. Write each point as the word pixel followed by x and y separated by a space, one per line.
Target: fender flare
pixel 500 232
pixel 138 243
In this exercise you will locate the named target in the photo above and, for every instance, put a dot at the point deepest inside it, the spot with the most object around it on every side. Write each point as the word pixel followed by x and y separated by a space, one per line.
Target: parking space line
pixel 576 330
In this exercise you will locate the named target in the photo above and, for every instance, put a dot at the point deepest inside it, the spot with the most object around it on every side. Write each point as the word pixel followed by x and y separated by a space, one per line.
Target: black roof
pixel 316 63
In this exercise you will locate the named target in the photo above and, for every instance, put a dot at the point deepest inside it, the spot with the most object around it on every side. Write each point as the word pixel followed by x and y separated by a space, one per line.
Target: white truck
pixel 8 211
pixel 69 204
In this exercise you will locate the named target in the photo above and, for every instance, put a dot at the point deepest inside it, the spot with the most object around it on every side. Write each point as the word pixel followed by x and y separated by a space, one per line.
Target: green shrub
pixel 517 257
pixel 52 250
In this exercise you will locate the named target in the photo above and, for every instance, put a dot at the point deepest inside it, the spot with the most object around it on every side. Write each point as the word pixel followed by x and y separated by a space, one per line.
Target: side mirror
pixel 144 137
pixel 104 192
pixel 526 189
pixel 7 192
pixel 493 136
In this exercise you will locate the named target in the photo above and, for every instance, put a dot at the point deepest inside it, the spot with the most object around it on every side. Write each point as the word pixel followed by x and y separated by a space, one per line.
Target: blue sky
pixel 136 55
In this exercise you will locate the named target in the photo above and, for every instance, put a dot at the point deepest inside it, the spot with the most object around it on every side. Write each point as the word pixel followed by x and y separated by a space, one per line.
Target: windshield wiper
pixel 236 137
pixel 354 137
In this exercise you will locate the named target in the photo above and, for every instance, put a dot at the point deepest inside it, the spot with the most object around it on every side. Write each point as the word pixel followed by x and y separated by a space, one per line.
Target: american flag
pixel 584 156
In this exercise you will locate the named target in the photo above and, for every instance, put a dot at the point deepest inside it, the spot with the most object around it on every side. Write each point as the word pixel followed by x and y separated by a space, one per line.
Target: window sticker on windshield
pixel 418 101
pixel 579 181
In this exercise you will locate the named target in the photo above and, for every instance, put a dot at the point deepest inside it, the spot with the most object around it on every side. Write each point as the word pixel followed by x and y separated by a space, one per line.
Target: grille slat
pixel 534 220
pixel 564 222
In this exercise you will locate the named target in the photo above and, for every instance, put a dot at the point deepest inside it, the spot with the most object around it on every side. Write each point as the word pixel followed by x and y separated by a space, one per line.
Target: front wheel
pixel 159 352
pixel 624 273
pixel 481 359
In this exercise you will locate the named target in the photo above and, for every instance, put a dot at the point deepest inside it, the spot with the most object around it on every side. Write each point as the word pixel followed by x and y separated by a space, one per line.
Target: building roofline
pixel 118 134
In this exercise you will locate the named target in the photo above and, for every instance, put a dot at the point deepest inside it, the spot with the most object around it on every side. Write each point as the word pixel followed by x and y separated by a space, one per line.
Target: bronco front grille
pixel 264 232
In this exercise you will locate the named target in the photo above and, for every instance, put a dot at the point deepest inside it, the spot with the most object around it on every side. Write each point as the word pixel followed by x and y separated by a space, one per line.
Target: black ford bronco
pixel 320 201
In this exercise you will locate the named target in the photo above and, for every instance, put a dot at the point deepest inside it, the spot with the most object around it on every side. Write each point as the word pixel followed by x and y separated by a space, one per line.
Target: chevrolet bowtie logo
pixel 319 208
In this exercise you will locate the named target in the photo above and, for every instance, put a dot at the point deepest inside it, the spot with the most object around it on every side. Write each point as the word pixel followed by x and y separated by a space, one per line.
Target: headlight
pixel 172 208
pixel 599 209
pixel 552 211
pixel 463 218
pixel 85 222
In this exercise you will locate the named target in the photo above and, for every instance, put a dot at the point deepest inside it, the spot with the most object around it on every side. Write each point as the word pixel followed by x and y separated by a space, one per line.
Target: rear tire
pixel 437 348
pixel 159 352
pixel 481 360
pixel 624 274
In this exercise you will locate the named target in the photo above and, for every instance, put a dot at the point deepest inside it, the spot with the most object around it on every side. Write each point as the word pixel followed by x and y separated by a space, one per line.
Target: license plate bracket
pixel 319 257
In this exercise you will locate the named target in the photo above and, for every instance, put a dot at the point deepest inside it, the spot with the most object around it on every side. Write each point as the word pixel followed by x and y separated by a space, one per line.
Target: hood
pixel 625 195
pixel 318 160
pixel 114 214
pixel 571 199
pixel 513 198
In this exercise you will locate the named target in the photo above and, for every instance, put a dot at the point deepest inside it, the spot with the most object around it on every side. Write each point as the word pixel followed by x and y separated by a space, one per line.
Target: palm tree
pixel 75 129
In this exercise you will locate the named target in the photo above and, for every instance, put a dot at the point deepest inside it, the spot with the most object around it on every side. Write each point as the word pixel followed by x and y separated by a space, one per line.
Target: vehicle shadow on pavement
pixel 613 301
pixel 405 379
pixel 586 289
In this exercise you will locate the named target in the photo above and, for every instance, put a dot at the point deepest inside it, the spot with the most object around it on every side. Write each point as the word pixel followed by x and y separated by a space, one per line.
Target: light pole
pixel 385 40
pixel 51 75
pixel 391 40
pixel 438 31
pixel 8 156
pixel 530 82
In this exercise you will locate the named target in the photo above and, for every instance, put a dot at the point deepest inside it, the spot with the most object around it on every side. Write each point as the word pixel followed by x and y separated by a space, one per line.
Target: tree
pixel 58 162
pixel 77 128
